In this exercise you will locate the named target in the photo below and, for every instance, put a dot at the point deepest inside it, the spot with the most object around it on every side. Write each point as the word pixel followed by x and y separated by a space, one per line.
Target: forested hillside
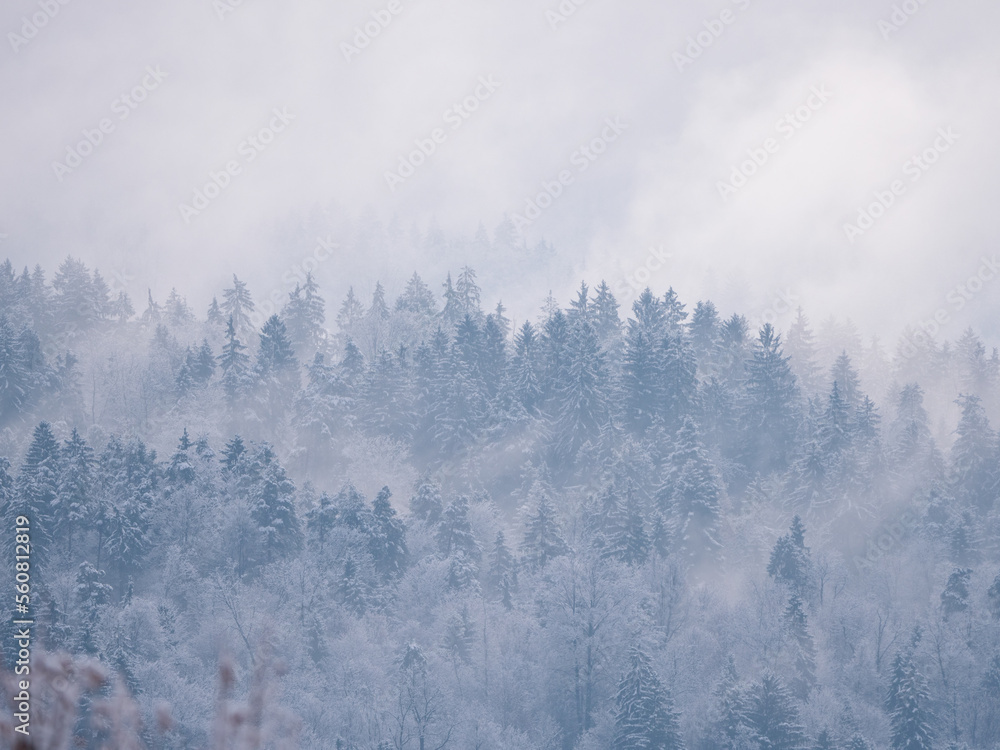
pixel 595 528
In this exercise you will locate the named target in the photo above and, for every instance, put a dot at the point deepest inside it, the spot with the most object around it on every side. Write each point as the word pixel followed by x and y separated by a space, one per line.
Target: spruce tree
pixel 790 562
pixel 800 344
pixel 906 703
pixel 237 306
pixel 627 538
pixel 955 597
pixel 993 598
pixel 426 505
pixel 91 595
pixel 502 573
pixel 271 495
pixel 387 542
pixel 691 494
pixel 76 486
pixel 543 539
pixel 975 477
pixel 455 532
pixel 803 648
pixel 37 488
pixel 769 418
pixel 645 718
pixel 773 717
pixel 235 364
pixel 641 374
pixel 580 403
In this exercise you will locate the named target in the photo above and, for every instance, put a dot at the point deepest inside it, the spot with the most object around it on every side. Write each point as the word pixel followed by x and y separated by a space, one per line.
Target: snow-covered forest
pixel 596 527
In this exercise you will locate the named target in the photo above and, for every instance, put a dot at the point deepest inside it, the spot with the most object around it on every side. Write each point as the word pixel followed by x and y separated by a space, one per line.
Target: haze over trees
pixel 595 528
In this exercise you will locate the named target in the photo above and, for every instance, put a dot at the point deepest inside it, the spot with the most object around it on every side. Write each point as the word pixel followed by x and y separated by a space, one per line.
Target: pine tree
pixel 453 310
pixel 553 355
pixel 909 434
pixel 975 477
pixel 644 331
pixel 455 532
pixel 127 482
pixel 237 306
pixel 463 571
pixel 955 597
pixel 580 397
pixel 468 293
pixel 730 715
pixel 352 589
pixel 524 369
pixel 993 598
pixel 350 315
pixel 824 741
pixel 770 413
pixel 691 494
pixel 790 562
pixel 627 539
pixel 542 537
pixel 387 542
pixel 76 485
pixel 271 495
pixel 706 335
pixel 176 309
pixel 426 504
pixel 580 308
pixel 121 308
pixel 846 379
pixel 835 428
pixel 76 302
pixel 233 453
pixel 800 344
pixel 417 299
pixel 772 716
pixel 214 316
pixel 492 356
pixel 304 315
pixel 606 318
pixel 679 385
pixel 235 364
pixel 91 596
pixel 15 380
pixel 459 636
pixel 907 706
pixel 502 573
pixel 275 354
pixel 321 519
pixel 38 488
pixel 645 718
pixel 804 679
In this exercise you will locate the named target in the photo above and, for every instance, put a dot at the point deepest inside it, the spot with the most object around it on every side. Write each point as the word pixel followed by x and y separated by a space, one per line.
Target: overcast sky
pixel 867 90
